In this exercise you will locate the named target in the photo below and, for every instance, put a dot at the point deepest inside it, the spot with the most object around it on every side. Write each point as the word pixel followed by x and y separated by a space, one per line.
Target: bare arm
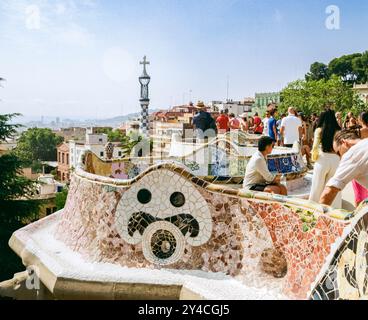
pixel 328 195
pixel 300 132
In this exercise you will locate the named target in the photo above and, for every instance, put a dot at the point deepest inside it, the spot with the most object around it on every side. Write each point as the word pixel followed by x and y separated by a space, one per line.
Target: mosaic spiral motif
pixel 163 243
pixel 163 199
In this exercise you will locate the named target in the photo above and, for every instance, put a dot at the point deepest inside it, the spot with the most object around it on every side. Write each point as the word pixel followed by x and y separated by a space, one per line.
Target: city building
pixel 263 99
pixel 362 91
pixel 47 189
pixel 96 142
pixel 63 168
pixel 235 107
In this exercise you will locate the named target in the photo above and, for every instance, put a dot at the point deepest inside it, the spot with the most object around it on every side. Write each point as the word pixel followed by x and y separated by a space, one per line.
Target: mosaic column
pixel 144 80
pixel 144 125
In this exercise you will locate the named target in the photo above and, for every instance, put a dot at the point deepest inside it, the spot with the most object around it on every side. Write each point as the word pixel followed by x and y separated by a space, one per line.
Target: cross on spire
pixel 144 62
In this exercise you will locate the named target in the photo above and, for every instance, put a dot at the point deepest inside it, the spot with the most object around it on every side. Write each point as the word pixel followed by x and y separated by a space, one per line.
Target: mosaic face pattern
pixel 170 218
pixel 163 211
pixel 346 277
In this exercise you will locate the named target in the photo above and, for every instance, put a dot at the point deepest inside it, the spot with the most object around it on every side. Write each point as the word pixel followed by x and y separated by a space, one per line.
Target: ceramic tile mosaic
pixel 168 218
pixel 346 276
pixel 218 159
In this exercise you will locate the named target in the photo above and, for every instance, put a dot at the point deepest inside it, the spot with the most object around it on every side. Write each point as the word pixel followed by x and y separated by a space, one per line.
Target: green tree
pixel 360 66
pixel 60 199
pixel 37 144
pixel 115 135
pixel 312 96
pixel 344 67
pixel 317 71
pixel 351 68
pixel 16 205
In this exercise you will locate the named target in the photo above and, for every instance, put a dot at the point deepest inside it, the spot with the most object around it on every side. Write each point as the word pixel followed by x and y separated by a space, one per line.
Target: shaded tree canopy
pixel 318 71
pixel 38 144
pixel 352 68
pixel 8 130
pixel 15 204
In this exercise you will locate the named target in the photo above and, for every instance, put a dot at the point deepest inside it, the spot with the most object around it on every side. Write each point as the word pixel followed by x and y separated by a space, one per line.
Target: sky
pixel 80 58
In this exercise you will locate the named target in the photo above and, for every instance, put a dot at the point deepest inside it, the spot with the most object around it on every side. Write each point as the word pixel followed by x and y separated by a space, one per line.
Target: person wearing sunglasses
pixel 353 152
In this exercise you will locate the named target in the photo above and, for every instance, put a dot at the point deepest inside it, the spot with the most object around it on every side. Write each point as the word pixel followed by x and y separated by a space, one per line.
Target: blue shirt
pixel 271 127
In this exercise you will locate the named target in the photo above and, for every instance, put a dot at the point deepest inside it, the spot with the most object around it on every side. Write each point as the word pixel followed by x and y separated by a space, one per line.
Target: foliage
pixel 37 144
pixel 15 203
pixel 8 130
pixel 100 130
pixel 136 145
pixel 313 95
pixel 352 68
pixel 60 199
pixel 129 141
pixel 318 71
pixel 112 135
pixel 115 135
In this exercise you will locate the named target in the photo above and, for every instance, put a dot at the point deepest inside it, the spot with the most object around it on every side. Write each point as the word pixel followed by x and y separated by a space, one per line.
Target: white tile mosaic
pixel 163 199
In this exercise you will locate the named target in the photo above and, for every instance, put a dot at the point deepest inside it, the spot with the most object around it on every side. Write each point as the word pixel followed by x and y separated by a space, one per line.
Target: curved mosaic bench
pixel 219 161
pixel 168 218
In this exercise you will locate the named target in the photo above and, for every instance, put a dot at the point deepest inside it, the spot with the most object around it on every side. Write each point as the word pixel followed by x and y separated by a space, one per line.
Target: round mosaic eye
pixel 163 244
pixel 177 199
pixel 144 196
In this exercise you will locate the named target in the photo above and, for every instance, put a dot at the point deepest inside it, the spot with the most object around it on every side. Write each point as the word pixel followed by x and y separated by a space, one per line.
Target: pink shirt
pixel 234 123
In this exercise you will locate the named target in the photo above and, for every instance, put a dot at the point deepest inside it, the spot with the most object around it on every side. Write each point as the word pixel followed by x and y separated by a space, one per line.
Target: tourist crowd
pixel 337 147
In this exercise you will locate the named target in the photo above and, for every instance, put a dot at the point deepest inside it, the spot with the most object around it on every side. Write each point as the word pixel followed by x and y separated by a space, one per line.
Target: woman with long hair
pixel 326 160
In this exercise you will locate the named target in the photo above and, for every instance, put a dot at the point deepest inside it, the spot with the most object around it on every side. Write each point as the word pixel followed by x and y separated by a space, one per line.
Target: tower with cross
pixel 144 80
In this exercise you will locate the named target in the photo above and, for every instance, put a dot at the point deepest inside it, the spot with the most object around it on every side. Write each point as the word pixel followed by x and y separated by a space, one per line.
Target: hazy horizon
pixel 80 58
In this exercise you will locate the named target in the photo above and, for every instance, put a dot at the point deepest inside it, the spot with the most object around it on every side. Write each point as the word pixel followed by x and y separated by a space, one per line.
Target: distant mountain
pixel 115 121
pixel 66 123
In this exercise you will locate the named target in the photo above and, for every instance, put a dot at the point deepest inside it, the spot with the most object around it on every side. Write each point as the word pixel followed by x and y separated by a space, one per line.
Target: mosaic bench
pixel 219 161
pixel 167 218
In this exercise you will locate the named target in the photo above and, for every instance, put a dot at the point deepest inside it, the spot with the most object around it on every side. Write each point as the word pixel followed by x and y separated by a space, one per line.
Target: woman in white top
pixel 326 160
